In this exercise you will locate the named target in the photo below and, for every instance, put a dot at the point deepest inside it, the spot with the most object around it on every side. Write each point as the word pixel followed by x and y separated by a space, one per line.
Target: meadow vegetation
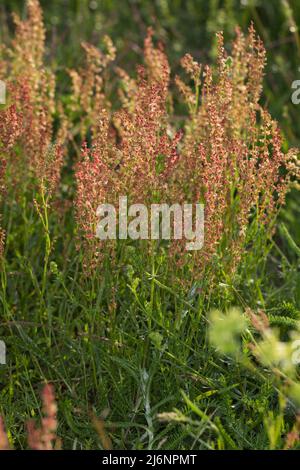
pixel 146 345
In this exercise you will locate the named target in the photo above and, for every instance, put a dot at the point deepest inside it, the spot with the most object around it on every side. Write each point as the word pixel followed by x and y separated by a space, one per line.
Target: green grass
pixel 127 343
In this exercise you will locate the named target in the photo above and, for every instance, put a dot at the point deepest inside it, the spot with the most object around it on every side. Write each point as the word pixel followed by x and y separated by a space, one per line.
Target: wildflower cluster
pixel 27 132
pixel 43 438
pixel 231 154
pixel 10 129
pixel 126 162
pixel 228 157
pixel 88 95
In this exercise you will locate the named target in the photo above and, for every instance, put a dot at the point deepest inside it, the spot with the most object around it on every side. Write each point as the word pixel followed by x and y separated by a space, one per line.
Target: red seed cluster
pixel 27 124
pixel 43 438
pixel 228 156
pixel 127 146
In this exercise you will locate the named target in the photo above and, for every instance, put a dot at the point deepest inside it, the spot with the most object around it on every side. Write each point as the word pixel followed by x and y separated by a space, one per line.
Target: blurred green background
pixel 184 26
